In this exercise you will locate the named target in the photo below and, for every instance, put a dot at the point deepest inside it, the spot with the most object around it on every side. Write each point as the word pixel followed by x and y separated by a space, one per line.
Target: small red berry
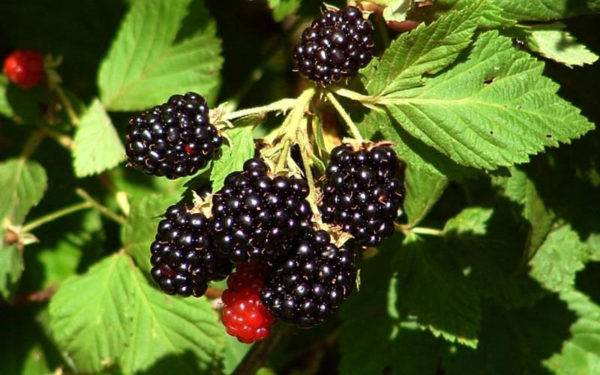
pixel 24 68
pixel 244 315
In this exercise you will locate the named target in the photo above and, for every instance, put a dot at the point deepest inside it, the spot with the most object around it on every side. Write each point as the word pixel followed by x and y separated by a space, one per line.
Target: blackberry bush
pixel 312 282
pixel 257 216
pixel 174 139
pixel 183 256
pixel 363 192
pixel 335 46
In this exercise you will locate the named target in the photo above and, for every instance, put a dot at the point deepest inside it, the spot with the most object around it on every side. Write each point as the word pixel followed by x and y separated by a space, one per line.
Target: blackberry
pixel 173 139
pixel 308 286
pixel 183 257
pixel 363 192
pixel 335 46
pixel 256 216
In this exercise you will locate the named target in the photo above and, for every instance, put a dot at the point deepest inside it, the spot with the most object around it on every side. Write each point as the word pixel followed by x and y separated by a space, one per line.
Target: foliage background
pixel 511 285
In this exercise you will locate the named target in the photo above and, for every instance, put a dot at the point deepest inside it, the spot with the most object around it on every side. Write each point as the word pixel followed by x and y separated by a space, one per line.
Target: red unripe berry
pixel 24 68
pixel 244 315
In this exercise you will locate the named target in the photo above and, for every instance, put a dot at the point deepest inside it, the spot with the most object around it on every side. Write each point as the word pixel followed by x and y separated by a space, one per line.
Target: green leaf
pixel 433 288
pixel 559 258
pixel 155 55
pixel 513 341
pixel 138 232
pixel 97 144
pixel 23 185
pixel 522 190
pixel 555 43
pixel 545 10
pixel 488 245
pixel 11 269
pixel 283 8
pixel 90 314
pixel 165 326
pixel 427 49
pixel 581 353
pixel 111 315
pixel 238 148
pixel 494 109
pixel 372 324
pixel 5 108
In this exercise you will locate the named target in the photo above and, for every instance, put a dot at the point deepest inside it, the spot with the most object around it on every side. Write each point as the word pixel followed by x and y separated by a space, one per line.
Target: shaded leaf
pixel 238 148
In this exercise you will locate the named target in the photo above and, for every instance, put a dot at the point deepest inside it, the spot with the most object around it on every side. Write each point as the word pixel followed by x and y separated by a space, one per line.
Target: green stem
pixel 280 105
pixel 102 209
pixel 32 144
pixel 62 139
pixel 345 116
pixel 55 215
pixel 353 95
pixel 64 100
pixel 428 231
pixel 312 192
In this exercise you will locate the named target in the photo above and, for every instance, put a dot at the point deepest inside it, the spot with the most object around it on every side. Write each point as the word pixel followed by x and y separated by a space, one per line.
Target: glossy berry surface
pixel 363 192
pixel 308 286
pixel 24 68
pixel 174 139
pixel 335 46
pixel 257 216
pixel 244 314
pixel 183 257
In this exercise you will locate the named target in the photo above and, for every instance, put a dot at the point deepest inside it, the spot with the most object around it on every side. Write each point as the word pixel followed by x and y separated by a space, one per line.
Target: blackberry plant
pixel 475 97
pixel 174 139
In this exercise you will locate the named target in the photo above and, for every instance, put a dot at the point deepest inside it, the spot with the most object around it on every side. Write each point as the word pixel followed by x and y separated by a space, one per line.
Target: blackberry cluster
pixel 335 46
pixel 363 192
pixel 312 282
pixel 174 139
pixel 256 217
pixel 183 257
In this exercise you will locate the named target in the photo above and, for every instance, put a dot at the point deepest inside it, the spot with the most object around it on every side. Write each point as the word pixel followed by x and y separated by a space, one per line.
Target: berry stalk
pixel 352 128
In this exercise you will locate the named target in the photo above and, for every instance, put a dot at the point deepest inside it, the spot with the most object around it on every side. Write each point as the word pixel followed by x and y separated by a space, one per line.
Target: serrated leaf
pixel 559 258
pixel 581 353
pixel 434 289
pixel 138 232
pixel 5 108
pixel 372 324
pixel 90 314
pixel 155 55
pixel 164 326
pixel 521 189
pixel 112 316
pixel 11 269
pixel 23 185
pixel 555 43
pixel 283 8
pixel 488 245
pixel 237 149
pixel 545 10
pixel 98 146
pixel 495 109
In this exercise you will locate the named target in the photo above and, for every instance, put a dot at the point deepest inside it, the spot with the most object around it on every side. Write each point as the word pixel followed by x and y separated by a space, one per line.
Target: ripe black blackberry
pixel 174 139
pixel 363 192
pixel 256 216
pixel 335 46
pixel 309 285
pixel 183 257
